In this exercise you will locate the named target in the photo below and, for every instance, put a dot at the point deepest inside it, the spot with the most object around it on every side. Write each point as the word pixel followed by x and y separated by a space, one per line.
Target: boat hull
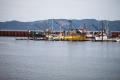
pixel 75 38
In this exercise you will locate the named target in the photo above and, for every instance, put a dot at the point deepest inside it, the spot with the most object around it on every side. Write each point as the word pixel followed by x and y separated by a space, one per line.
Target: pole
pixel 102 30
pixel 52 25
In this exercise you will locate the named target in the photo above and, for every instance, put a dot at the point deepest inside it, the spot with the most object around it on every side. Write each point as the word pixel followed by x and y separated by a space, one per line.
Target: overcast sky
pixel 31 10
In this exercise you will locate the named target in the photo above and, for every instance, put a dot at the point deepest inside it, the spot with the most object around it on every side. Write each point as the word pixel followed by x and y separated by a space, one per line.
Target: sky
pixel 32 10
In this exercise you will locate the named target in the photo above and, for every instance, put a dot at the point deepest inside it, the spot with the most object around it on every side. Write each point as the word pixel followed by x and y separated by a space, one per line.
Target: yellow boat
pixel 76 35
pixel 71 36
pixel 68 38
pixel 75 38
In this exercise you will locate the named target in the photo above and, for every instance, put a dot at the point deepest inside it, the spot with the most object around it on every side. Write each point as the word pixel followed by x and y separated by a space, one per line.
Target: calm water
pixel 47 60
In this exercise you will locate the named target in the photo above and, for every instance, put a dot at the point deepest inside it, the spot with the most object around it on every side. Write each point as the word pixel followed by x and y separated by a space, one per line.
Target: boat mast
pixel 107 28
pixel 52 25
pixel 102 30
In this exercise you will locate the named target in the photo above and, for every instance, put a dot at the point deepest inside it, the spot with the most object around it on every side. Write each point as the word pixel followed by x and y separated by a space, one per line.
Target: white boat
pixel 117 40
pixel 101 37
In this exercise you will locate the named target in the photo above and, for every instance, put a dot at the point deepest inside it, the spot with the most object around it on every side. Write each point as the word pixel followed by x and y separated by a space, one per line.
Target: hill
pixel 65 24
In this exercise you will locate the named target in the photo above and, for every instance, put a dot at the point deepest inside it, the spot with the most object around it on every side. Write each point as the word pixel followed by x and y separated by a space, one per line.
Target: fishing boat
pixel 76 35
pixel 103 34
pixel 71 34
pixel 101 37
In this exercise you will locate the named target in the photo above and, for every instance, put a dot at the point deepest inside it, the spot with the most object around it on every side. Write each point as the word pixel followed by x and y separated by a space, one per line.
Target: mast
pixel 107 28
pixel 102 30
pixel 52 25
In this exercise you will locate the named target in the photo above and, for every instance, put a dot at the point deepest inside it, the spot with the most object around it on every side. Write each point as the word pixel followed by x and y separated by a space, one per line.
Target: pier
pixel 32 35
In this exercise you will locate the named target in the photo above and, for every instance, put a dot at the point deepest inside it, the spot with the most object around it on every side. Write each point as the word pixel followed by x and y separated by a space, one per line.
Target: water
pixel 58 60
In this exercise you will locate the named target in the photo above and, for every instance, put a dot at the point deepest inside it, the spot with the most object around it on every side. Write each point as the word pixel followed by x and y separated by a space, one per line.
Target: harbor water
pixel 58 60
